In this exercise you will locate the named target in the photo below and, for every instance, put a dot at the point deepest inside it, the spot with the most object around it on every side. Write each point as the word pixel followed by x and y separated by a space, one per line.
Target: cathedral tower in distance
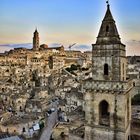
pixel 36 40
pixel 107 94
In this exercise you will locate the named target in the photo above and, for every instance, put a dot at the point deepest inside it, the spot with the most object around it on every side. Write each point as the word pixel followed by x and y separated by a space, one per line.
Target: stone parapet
pixel 108 86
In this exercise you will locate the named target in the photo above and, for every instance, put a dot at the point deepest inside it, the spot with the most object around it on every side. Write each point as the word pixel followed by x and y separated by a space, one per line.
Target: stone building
pixel 107 93
pixel 36 40
pixel 133 70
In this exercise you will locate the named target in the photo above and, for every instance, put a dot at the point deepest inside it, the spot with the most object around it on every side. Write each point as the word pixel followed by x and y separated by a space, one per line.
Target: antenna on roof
pixel 36 28
pixel 70 46
pixel 107 2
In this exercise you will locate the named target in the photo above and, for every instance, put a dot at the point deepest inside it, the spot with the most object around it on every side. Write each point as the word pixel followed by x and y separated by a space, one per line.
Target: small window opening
pixel 107 28
pixel 106 69
pixel 23 130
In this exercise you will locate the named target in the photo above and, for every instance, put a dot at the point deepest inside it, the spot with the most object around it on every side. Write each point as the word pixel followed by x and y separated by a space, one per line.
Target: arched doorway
pixel 104 115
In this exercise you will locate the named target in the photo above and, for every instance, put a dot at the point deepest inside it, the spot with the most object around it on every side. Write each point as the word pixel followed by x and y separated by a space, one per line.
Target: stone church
pixel 107 93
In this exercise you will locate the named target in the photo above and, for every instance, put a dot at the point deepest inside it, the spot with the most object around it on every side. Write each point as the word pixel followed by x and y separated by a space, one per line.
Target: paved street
pixel 52 119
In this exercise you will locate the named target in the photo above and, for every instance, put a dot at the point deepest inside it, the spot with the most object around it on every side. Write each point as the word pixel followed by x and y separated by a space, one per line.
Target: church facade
pixel 108 92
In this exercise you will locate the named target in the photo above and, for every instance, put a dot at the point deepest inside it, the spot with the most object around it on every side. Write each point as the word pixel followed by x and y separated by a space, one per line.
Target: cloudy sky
pixel 66 22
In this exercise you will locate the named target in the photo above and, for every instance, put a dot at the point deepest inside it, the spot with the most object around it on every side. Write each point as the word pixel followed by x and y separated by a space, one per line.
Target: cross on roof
pixel 107 2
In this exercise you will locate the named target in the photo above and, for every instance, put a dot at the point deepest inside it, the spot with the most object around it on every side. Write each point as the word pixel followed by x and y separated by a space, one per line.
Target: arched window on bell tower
pixel 105 69
pixel 104 115
pixel 107 28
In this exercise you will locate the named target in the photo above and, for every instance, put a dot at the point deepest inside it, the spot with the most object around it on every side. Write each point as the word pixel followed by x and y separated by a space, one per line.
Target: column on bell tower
pixel 36 40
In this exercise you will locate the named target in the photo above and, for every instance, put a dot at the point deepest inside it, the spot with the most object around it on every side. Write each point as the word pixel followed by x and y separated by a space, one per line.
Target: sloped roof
pixel 108 33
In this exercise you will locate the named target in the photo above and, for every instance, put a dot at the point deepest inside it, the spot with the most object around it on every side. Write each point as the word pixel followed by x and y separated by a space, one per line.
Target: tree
pixel 136 100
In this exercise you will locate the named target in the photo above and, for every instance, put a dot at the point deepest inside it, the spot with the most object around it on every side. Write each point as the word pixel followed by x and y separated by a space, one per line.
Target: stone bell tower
pixel 107 94
pixel 36 40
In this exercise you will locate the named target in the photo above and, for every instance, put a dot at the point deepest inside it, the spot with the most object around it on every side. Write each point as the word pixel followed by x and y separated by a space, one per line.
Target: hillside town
pixel 33 79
